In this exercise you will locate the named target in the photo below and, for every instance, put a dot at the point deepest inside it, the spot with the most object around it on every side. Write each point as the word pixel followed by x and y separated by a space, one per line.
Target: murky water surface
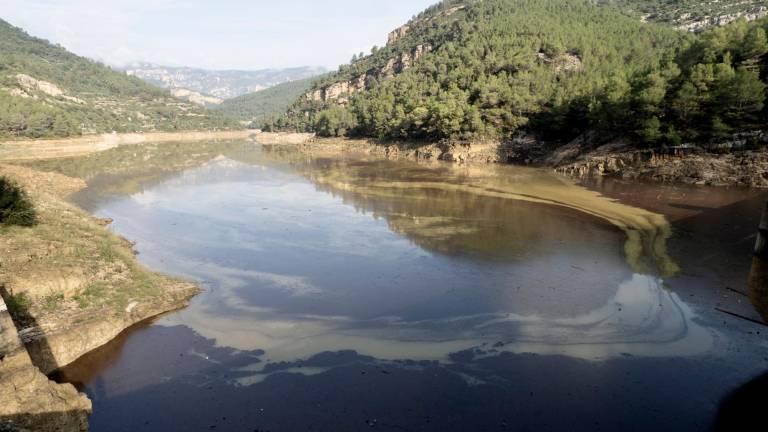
pixel 348 293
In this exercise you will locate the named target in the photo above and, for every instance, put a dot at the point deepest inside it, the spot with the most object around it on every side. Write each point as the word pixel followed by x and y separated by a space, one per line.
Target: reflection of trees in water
pixel 458 222
pixel 440 207
pixel 484 209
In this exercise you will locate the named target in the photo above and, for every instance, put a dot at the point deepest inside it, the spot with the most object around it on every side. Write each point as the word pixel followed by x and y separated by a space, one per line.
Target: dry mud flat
pixel 71 286
pixel 55 148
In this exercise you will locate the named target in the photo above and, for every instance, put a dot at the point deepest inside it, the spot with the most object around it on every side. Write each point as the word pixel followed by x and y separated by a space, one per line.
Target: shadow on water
pixel 181 381
pixel 743 409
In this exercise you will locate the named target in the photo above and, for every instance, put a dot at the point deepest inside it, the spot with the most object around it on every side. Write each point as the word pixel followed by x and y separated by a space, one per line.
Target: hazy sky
pixel 215 34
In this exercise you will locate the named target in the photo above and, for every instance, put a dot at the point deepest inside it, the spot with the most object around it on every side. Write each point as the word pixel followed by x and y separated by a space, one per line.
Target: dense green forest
pixel 557 68
pixel 46 91
pixel 264 104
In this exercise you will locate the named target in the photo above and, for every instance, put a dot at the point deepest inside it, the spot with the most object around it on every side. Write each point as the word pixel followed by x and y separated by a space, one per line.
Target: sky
pixel 214 34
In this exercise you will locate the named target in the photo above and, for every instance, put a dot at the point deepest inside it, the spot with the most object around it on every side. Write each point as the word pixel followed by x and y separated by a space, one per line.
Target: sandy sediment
pixel 54 148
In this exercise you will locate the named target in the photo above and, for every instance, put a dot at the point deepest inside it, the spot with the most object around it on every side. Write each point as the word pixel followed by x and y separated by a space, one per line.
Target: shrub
pixel 15 206
pixel 18 307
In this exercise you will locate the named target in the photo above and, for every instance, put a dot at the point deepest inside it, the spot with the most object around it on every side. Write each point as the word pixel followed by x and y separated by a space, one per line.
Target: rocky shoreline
pixel 687 164
pixel 69 286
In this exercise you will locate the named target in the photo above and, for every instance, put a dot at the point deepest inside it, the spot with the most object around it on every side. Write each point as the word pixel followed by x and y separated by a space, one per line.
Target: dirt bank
pixel 54 148
pixel 71 286
pixel 744 168
pixel 488 152
pixel 28 398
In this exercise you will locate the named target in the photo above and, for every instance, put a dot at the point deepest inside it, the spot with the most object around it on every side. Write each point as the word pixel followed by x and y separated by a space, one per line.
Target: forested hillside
pixel 694 15
pixel 262 105
pixel 557 68
pixel 46 91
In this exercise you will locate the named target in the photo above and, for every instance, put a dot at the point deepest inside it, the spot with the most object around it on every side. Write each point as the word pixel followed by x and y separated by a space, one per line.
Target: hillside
pixel 211 87
pixel 481 69
pixel 46 91
pixel 555 68
pixel 261 105
pixel 692 15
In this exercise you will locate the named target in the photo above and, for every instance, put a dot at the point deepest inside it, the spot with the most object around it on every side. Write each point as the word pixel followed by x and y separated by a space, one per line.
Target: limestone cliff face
pixel 397 34
pixel 341 91
pixel 687 23
pixel 196 97
pixel 400 32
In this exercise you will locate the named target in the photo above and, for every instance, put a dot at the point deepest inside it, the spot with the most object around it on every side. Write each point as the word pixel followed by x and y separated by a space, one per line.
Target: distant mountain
pixel 211 87
pixel 261 105
pixel 46 91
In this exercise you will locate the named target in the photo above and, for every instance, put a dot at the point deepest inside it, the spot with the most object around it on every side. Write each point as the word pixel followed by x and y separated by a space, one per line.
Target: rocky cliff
pixel 340 92
pixel 690 23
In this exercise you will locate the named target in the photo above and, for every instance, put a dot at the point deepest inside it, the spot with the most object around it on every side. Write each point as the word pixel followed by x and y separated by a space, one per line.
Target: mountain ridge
pixel 47 91
pixel 219 84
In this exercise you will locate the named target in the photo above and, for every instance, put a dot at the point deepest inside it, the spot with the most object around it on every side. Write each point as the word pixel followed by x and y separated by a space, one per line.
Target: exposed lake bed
pixel 347 293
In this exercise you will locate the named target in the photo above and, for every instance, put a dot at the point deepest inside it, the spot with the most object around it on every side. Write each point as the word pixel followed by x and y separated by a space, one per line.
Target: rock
pixel 567 62
pixel 340 92
pixel 196 97
pixel 397 34
pixel 28 399
pixel 29 83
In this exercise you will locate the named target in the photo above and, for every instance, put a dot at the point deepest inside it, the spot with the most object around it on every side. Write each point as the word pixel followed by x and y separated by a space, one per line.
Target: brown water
pixel 353 293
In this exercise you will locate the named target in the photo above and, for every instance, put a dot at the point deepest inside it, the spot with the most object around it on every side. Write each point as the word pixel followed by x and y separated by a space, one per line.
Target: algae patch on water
pixel 460 190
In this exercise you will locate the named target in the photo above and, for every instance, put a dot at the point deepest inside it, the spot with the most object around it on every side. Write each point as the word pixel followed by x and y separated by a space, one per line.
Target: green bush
pixel 18 307
pixel 15 206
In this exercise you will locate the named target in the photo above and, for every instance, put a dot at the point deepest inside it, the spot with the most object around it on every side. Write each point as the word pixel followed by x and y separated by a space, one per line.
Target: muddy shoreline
pixel 70 278
pixel 69 286
pixel 577 160
pixel 67 147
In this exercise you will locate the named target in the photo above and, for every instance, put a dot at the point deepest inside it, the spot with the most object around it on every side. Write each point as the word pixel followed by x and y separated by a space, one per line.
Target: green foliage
pixel 335 122
pixel 495 66
pixel 90 295
pixel 262 105
pixel 18 306
pixel 94 98
pixel 557 68
pixel 714 86
pixel 15 206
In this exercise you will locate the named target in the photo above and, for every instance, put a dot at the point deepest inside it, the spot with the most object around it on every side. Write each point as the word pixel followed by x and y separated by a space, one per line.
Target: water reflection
pixel 348 293
pixel 402 261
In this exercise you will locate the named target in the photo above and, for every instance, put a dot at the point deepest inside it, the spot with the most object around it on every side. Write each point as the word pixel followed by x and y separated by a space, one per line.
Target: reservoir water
pixel 346 293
